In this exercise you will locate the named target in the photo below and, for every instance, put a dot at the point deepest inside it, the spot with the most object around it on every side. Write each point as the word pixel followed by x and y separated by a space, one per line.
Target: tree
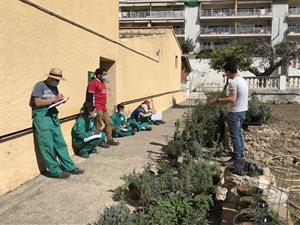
pixel 187 45
pixel 271 57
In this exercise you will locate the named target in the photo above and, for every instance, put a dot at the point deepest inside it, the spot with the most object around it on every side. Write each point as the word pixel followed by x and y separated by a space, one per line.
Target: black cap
pixel 99 71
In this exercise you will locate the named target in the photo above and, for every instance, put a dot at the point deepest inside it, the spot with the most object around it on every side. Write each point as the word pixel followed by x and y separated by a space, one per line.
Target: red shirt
pixel 99 90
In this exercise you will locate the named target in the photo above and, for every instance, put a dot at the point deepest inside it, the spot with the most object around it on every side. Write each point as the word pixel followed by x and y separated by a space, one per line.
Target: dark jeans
pixel 235 121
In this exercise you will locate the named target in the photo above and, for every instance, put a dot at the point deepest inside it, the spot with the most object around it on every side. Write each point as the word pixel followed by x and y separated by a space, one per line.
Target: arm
pixel 39 102
pixel 145 114
pixel 91 90
pixel 80 129
pixel 228 99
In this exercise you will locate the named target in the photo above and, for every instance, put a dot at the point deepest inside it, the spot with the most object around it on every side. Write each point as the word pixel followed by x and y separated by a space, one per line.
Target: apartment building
pixel 179 14
pixel 225 21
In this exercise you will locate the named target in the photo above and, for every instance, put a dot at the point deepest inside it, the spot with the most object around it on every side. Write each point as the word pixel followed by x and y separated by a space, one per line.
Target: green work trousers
pixel 119 133
pixel 137 125
pixel 51 142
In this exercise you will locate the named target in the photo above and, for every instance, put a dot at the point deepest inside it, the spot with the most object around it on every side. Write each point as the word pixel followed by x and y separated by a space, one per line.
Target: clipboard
pixel 58 103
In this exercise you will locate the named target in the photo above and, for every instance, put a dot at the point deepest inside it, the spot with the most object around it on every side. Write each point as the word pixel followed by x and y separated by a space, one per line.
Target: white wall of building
pixel 280 10
pixel 192 26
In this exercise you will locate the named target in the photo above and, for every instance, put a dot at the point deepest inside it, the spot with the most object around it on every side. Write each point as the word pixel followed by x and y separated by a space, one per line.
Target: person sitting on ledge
pixel 84 137
pixel 138 118
pixel 120 126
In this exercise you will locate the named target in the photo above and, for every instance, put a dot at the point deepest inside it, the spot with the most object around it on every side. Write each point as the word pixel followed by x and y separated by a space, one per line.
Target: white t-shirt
pixel 240 85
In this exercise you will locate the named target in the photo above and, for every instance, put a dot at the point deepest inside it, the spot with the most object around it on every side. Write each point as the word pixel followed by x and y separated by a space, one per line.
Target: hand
pixel 59 97
pixel 213 101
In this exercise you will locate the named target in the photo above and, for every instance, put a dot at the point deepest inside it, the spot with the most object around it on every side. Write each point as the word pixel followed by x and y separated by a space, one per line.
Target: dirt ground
pixel 288 114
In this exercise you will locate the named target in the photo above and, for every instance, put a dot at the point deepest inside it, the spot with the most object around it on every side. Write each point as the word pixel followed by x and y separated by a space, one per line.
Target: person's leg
pixel 46 142
pixel 242 118
pixel 108 127
pixel 134 125
pixel 99 121
pixel 234 125
pixel 121 133
pixel 61 150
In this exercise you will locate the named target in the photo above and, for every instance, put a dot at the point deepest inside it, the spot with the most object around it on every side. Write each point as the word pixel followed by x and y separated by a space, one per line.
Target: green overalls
pixel 137 125
pixel 79 132
pixel 50 140
pixel 119 120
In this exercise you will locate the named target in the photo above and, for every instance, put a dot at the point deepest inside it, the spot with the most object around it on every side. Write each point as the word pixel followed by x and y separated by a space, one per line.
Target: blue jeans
pixel 235 121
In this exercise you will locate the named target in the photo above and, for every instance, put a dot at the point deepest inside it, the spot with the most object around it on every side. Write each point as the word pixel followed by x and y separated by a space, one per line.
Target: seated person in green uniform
pixel 150 108
pixel 120 126
pixel 47 129
pixel 137 119
pixel 84 137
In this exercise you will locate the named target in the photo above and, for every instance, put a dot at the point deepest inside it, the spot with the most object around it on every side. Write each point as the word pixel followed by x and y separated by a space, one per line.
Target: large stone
pixel 221 193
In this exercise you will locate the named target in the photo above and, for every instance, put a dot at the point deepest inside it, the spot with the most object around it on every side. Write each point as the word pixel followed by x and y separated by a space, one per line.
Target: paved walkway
pixel 80 199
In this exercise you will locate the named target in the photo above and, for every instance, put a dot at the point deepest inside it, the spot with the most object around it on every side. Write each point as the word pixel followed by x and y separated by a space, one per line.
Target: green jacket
pixel 79 131
pixel 118 119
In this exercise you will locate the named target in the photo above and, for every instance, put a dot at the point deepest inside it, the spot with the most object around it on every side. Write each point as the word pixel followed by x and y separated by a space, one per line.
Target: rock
pixel 221 193
pixel 267 172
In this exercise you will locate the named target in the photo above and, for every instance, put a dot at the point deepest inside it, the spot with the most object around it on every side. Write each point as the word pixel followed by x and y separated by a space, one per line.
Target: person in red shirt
pixel 97 94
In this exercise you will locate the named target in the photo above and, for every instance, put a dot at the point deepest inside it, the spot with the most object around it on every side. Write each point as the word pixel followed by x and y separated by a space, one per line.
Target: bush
pixel 258 112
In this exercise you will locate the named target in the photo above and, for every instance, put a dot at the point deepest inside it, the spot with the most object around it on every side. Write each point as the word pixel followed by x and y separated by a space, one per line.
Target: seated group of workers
pixel 86 138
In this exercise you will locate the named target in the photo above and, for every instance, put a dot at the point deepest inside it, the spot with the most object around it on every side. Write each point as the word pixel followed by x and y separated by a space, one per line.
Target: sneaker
pixel 104 145
pixel 112 142
pixel 229 162
pixel 162 122
pixel 63 175
pixel 156 123
pixel 77 171
pixel 84 155
pixel 148 129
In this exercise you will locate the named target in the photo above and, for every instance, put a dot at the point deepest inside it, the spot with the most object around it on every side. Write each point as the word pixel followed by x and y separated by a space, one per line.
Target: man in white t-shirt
pixel 238 97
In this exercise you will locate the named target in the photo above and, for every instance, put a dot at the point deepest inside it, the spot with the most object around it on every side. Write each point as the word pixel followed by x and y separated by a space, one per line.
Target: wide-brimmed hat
pixel 55 73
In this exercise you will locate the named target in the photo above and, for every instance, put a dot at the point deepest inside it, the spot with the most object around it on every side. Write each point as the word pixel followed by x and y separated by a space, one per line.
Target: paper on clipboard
pixel 156 116
pixel 58 103
pixel 92 137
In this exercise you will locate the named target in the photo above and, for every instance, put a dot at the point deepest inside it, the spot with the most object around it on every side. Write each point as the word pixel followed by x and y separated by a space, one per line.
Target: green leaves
pixel 231 52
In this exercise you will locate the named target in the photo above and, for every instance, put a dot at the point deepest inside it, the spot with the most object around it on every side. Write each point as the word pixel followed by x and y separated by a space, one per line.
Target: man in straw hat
pixel 47 126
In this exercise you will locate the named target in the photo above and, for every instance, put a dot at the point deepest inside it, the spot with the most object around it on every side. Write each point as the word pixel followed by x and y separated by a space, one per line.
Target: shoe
pixel 84 155
pixel 162 122
pixel 156 123
pixel 229 162
pixel 77 171
pixel 94 151
pixel 112 142
pixel 63 175
pixel 148 129
pixel 104 145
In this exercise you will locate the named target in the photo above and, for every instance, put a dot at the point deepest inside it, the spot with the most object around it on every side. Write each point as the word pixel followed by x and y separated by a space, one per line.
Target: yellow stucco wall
pixel 32 41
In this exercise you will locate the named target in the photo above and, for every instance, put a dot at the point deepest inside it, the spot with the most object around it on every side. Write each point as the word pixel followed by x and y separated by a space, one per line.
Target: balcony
pixel 241 13
pixel 213 46
pixel 254 12
pixel 294 30
pixel 294 12
pixel 234 32
pixel 130 15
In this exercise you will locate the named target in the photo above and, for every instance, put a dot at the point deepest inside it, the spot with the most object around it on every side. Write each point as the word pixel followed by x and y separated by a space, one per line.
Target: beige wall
pixel 31 42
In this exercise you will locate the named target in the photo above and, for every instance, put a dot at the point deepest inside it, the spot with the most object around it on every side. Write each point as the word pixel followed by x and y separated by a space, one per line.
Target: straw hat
pixel 55 73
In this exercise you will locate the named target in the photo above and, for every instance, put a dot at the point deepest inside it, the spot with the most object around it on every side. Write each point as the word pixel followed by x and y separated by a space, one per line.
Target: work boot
pixel 94 151
pixel 112 142
pixel 63 175
pixel 77 171
pixel 148 128
pixel 104 145
pixel 84 155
